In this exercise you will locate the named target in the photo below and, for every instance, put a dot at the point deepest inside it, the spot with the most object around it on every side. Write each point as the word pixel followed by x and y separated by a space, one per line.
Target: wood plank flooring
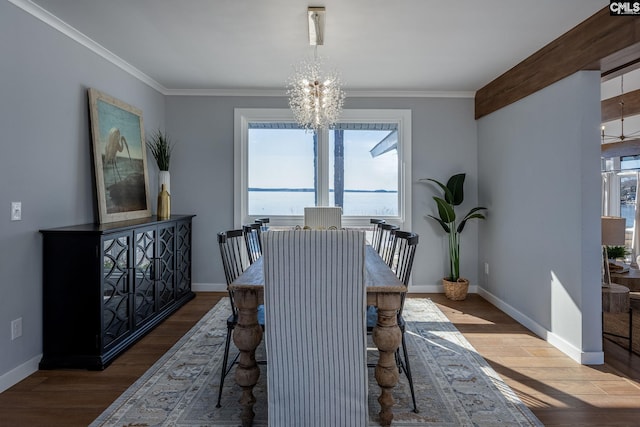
pixel 558 390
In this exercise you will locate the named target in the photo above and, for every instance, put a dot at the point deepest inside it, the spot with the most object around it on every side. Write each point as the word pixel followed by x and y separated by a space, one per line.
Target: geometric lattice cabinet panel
pixel 107 285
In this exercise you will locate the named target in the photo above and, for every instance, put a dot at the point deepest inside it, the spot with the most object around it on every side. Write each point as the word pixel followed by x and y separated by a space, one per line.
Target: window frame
pixel 244 116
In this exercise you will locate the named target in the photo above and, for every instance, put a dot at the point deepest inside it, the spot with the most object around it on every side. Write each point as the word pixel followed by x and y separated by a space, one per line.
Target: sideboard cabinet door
pixel 145 269
pixel 166 256
pixel 117 322
pixel 183 253
pixel 105 286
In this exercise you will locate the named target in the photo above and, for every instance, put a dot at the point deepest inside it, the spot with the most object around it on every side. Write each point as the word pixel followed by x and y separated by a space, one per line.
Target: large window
pixel 360 165
pixel 620 178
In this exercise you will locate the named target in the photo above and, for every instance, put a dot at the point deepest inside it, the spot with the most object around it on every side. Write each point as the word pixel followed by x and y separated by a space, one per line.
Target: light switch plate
pixel 16 211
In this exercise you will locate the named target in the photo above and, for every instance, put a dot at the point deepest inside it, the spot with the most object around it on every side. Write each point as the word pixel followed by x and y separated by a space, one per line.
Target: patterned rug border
pixel 469 399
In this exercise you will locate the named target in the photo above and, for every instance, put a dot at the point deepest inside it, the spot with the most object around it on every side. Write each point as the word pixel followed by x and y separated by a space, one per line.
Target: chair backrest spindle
pixel 253 240
pixel 375 236
pixel 263 223
pixel 387 237
pixel 401 258
pixel 234 256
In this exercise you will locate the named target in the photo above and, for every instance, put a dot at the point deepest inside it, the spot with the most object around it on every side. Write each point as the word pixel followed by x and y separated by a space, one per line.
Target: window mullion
pixel 323 168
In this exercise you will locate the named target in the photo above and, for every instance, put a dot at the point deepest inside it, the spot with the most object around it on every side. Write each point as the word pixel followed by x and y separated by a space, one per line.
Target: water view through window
pixel 628 187
pixel 286 169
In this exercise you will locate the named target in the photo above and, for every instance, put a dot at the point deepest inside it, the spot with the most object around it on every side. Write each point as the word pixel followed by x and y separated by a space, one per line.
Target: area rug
pixel 454 385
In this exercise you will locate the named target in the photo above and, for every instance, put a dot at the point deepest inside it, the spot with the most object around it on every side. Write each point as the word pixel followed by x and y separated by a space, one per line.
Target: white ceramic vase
pixel 164 178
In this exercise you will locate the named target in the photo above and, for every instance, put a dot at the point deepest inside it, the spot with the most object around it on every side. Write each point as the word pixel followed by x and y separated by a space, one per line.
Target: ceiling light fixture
pixel 618 138
pixel 315 100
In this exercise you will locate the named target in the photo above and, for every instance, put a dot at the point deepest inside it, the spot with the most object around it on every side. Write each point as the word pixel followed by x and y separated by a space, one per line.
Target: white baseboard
pixel 435 289
pixel 413 289
pixel 19 373
pixel 209 287
pixel 580 356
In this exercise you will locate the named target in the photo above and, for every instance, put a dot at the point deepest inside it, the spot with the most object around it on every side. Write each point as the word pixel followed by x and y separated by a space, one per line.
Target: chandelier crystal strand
pixel 315 99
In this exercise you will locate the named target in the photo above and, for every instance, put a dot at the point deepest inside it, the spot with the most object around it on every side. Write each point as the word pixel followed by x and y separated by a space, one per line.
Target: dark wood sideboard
pixel 107 285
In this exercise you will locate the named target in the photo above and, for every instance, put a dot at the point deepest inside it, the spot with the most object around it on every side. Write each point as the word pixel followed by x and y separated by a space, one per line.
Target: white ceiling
pixel 252 46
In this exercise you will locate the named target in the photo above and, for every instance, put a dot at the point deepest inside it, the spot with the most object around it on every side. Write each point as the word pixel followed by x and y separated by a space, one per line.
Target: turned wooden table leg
pixel 387 337
pixel 247 336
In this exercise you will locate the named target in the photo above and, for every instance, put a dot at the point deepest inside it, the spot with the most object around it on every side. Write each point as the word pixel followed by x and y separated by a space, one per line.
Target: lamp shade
pixel 613 231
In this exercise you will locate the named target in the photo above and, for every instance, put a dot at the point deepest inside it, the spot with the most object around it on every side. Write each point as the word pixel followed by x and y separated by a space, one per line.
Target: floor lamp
pixel 613 234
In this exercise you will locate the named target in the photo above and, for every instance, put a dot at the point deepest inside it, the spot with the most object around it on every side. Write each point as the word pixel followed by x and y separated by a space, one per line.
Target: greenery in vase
pixel 161 147
pixel 453 195
pixel 615 252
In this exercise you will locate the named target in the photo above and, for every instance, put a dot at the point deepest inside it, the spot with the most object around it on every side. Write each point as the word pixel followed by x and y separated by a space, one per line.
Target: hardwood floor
pixel 559 391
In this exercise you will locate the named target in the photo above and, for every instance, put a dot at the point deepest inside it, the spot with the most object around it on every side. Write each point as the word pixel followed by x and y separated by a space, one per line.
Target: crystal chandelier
pixel 315 99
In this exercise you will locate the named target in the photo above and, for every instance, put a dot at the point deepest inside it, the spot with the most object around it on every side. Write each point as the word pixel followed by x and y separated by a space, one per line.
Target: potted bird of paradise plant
pixel 455 287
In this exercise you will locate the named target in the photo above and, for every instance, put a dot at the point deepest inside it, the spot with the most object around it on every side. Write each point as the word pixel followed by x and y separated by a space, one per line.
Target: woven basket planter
pixel 456 291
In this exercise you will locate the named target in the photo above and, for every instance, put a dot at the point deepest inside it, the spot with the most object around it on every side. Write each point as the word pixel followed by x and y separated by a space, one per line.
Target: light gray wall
pixel 539 163
pixel 46 164
pixel 46 159
pixel 537 167
pixel 443 143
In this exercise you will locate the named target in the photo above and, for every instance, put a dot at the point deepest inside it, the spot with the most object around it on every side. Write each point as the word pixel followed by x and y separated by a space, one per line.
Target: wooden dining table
pixel 384 291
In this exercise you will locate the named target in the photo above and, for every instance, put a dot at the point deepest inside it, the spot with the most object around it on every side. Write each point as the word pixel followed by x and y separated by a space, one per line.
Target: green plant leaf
pixel 466 218
pixel 471 215
pixel 161 147
pixel 455 186
pixel 447 193
pixel 453 196
pixel 473 211
pixel 614 252
pixel 445 210
pixel 444 225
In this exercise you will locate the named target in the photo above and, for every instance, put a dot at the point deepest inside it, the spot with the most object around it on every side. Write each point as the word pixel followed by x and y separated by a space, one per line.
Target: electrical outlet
pixel 486 268
pixel 16 211
pixel 16 328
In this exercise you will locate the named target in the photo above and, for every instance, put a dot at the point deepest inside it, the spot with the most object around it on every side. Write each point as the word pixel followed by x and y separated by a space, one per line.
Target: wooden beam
pixel 610 108
pixel 581 48
pixel 620 62
pixel 629 147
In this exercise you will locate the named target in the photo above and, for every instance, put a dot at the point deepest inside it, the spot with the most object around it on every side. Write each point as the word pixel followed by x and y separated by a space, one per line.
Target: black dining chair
pixel 387 237
pixel 253 240
pixel 263 222
pixel 375 235
pixel 235 260
pixel 402 255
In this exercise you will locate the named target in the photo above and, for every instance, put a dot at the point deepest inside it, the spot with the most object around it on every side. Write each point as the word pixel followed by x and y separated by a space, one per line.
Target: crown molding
pixel 56 23
pixel 226 92
pixel 409 94
pixel 350 93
